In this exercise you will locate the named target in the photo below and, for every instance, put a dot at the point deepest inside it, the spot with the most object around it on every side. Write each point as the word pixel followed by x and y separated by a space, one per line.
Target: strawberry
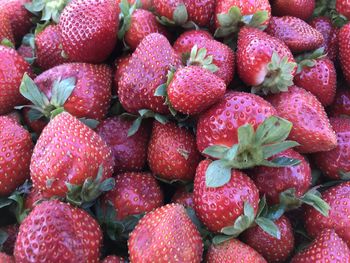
pixel 233 251
pixel 338 198
pixel 172 152
pixel 113 259
pixel 330 35
pixel 317 74
pixel 341 104
pixel 120 65
pixel 327 247
pixel 146 70
pixel 311 128
pixel 134 193
pixel 4 258
pixel 34 197
pixel 12 68
pixel 182 197
pixel 335 162
pixel 6 34
pixel 130 152
pixel 89 29
pixel 344 49
pixel 272 249
pixel 36 126
pixel 264 62
pixel 229 14
pixel 160 234
pixel 343 8
pixel 302 9
pixel 55 222
pixel 11 232
pixel 188 39
pixel 16 150
pixel 73 153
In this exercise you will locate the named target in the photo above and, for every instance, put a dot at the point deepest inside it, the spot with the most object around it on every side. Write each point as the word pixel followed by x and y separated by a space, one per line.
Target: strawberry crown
pixel 47 10
pixel 308 60
pixel 199 57
pixel 125 16
pixel 180 18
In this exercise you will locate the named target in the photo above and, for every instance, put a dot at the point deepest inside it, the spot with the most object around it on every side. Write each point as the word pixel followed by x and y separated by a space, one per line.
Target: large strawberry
pixel 16 150
pixel 70 234
pixel 166 235
pixel 146 70
pixel 311 128
pixel 172 152
pixel 264 62
pixel 302 9
pixel 344 50
pixel 89 29
pixel 341 104
pixel 343 8
pixel 67 154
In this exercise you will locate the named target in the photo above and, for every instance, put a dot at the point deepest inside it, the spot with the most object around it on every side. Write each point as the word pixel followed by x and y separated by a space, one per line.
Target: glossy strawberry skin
pixel 16 149
pixel 89 29
pixel 320 80
pixel 188 39
pixel 343 7
pixel 182 197
pixel 338 198
pixel 146 70
pixel 172 152
pixel 219 124
pixel 344 50
pixel 72 232
pixel 5 27
pixel 302 9
pixel 120 65
pixel 9 244
pixel 341 104
pixel 219 207
pixel 159 232
pixel 272 249
pixel 135 193
pixel 311 128
pixel 64 144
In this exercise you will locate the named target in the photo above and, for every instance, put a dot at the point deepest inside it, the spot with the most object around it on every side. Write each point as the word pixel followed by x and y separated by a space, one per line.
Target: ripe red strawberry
pixel 172 152
pixel 120 65
pixel 297 34
pixel 302 9
pixel 333 162
pixel 12 68
pixel 144 4
pixel 4 258
pixel 89 29
pixel 264 62
pixel 194 89
pixel 330 35
pixel 48 44
pixel 343 8
pixel 6 33
pixel 341 104
pixel 129 152
pixel 272 249
pixel 344 50
pixel 182 197
pixel 34 197
pixel 188 39
pixel 220 207
pixel 166 235
pixel 113 259
pixel 68 152
pixel 16 150
pixel 327 247
pixel 233 251
pixel 9 244
pixel 311 128
pixel 58 224
pixel 146 70
pixel 134 193
pixel 338 198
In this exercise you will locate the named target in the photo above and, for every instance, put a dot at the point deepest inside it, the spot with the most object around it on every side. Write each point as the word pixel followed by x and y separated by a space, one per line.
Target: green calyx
pixel 7 43
pixel 199 57
pixel 180 18
pixel 125 16
pixel 48 10
pixel 308 60
pixel 279 76
pixel 3 237
pixel 231 21
pixel 29 41
pixel 254 148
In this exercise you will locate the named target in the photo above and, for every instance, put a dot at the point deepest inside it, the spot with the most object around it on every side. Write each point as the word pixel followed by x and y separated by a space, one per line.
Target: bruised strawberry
pixel 120 65
pixel 113 259
pixel 344 50
pixel 341 104
pixel 302 9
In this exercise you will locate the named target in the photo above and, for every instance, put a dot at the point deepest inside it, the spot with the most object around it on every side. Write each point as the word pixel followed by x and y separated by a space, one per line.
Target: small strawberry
pixel 183 197
pixel 58 224
pixel 34 197
pixel 343 8
pixel 160 234
pixel 302 9
pixel 311 128
pixel 344 50
pixel 89 29
pixel 113 259
pixel 120 65
pixel 16 150
pixel 172 152
pixel 341 104
pixel 327 247
pixel 264 62
pixel 233 251
pixel 6 33
pixel 11 233
pixel 4 258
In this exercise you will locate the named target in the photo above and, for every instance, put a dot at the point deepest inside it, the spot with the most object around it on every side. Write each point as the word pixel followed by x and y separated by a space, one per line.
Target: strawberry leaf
pixel 6 42
pixel 269 227
pixel 61 91
pixel 216 151
pixel 313 198
pixel 199 57
pixel 217 174
pixel 180 15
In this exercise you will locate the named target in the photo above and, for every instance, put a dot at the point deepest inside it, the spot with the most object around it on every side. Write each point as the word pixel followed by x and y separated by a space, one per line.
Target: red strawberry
pixel 297 34
pixel 182 197
pixel 341 104
pixel 6 33
pixel 233 251
pixel 67 153
pixel 272 249
pixel 89 29
pixel 11 232
pixel 146 70
pixel 344 50
pixel 334 162
pixel 4 258
pixel 338 198
pixel 166 235
pixel 27 52
pixel 327 247
pixel 188 39
pixel 16 150
pixel 144 4
pixel 264 62
pixel 36 126
pixel 172 152
pixel 311 128
pixel 59 224
pixel 12 68
pixel 343 8
pixel 113 259
pixel 130 152
pixel 134 193
pixel 120 65
pixel 194 89
pixel 34 197
pixel 302 9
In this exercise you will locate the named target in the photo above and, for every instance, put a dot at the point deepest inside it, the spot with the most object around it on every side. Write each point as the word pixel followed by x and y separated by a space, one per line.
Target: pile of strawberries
pixel 161 131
